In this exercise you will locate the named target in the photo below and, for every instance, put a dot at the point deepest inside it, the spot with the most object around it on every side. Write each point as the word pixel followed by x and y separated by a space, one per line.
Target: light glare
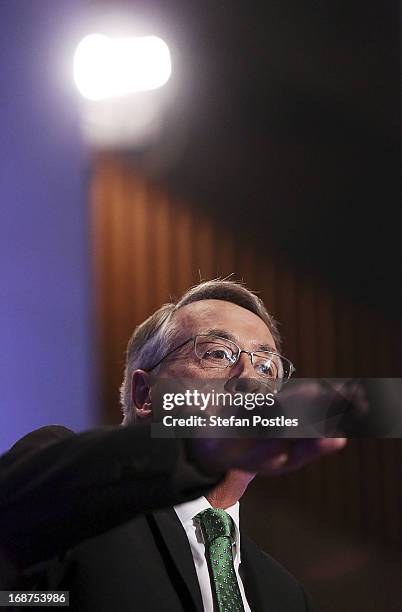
pixel 107 68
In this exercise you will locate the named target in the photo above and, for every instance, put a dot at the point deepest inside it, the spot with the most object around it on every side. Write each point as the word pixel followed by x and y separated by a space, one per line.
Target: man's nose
pixel 243 367
pixel 242 376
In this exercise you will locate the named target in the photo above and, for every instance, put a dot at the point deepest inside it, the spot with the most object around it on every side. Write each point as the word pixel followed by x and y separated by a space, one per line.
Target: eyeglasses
pixel 220 353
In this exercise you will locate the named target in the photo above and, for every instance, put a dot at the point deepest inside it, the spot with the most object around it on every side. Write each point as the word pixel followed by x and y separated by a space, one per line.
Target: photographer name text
pixel 254 420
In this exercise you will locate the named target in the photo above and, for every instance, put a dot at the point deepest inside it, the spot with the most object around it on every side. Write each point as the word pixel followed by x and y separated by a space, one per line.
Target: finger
pixel 274 464
pixel 305 451
pixel 258 453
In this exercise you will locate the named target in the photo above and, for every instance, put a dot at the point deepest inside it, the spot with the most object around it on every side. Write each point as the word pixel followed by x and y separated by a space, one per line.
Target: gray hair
pixel 158 334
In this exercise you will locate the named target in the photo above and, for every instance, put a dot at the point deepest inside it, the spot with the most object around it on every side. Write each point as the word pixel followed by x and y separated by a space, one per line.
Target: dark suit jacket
pixel 91 513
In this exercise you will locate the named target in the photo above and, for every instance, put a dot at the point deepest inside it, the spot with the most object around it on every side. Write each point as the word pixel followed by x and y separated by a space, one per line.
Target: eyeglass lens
pixel 220 353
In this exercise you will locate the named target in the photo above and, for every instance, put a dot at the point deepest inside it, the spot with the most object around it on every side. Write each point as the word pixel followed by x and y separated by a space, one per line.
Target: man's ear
pixel 141 394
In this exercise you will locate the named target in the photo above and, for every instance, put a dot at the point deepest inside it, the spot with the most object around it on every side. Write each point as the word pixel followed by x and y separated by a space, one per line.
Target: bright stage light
pixel 112 67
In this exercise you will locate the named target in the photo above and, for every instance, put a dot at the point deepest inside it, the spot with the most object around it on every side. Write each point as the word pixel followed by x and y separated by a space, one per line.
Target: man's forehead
pixel 242 324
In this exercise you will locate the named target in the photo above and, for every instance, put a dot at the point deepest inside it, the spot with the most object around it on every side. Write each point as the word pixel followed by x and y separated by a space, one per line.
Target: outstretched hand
pixel 273 456
pixel 270 456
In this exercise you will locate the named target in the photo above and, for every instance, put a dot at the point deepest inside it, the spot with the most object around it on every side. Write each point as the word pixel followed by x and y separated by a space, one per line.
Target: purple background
pixel 46 329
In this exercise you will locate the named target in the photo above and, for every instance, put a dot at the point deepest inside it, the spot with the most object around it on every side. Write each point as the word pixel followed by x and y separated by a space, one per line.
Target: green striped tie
pixel 218 530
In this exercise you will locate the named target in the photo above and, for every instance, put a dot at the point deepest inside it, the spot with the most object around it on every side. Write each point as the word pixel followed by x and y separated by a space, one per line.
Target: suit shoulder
pixel 274 577
pixel 35 440
pixel 264 559
pixel 276 566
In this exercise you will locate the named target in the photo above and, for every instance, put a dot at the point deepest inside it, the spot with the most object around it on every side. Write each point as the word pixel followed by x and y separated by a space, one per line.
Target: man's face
pixel 246 329
pixel 221 318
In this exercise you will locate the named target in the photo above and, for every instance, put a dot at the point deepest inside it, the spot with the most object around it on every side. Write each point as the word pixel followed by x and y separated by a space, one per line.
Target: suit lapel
pixel 173 542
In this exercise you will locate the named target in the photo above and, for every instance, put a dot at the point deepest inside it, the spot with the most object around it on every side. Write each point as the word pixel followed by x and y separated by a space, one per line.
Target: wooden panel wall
pixel 149 246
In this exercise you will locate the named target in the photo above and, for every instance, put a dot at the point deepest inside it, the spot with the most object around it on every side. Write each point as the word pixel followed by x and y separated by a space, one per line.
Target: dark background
pixel 288 119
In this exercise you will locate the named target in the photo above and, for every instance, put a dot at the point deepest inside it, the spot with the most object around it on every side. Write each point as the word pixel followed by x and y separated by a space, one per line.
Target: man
pixel 123 520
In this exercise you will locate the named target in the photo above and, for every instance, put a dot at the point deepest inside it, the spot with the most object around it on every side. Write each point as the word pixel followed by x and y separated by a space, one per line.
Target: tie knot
pixel 215 523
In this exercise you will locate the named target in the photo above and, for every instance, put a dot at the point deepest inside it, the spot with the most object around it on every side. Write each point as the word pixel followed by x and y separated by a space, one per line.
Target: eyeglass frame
pixel 292 369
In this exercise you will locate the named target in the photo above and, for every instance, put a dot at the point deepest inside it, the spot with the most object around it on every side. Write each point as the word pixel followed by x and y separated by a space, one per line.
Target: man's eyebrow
pixel 223 333
pixel 266 347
